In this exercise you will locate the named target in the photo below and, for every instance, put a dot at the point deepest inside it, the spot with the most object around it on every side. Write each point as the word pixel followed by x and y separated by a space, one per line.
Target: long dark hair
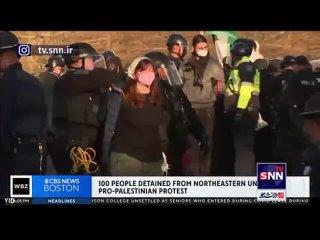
pixel 198 39
pixel 131 95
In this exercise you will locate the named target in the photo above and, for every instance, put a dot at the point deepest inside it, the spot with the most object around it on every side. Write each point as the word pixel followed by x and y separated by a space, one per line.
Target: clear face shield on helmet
pixel 172 74
pixel 99 61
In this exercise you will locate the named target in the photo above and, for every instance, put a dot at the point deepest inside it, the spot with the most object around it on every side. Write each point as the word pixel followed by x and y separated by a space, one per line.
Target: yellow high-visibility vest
pixel 244 90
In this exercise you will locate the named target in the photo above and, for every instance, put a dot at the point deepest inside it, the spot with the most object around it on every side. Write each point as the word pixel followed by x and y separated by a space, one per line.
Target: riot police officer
pixel 79 111
pixel 23 122
pixel 309 165
pixel 55 68
pixel 302 85
pixel 114 64
pixel 182 121
pixel 177 48
pixel 242 106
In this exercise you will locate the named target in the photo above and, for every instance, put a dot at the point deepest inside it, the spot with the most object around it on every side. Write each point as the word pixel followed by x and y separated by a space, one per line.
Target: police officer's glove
pixel 238 115
pixel 261 123
pixel 204 145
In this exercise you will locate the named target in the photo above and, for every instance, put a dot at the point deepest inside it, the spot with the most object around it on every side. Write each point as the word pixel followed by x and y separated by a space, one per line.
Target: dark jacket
pixel 206 95
pixel 23 111
pixel 78 100
pixel 48 79
pixel 181 121
pixel 23 123
pixel 310 166
pixel 137 131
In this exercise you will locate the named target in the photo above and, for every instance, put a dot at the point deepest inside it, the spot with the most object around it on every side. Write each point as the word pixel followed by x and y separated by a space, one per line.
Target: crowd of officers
pixel 163 115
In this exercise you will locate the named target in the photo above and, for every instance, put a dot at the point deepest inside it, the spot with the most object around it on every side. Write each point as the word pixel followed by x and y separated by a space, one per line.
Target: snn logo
pixel 277 175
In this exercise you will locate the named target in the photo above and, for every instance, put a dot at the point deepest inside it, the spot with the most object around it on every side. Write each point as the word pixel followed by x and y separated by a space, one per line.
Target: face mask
pixel 202 53
pixel 146 78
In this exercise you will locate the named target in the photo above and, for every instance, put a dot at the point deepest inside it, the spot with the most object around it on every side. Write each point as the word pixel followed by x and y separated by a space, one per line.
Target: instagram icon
pixel 24 50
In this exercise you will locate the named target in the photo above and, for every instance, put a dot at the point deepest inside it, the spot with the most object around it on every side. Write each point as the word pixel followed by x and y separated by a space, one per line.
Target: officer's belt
pixel 26 140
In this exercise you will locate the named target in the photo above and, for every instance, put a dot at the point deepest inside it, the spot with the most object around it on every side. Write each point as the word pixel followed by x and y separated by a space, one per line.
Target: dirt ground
pixel 131 44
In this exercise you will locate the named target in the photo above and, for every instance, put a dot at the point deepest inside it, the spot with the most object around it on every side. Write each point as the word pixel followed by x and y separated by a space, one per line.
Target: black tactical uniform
pixel 23 119
pixel 48 79
pixel 264 138
pixel 79 108
pixel 281 117
pixel 177 39
pixel 301 87
pixel 309 164
pixel 114 64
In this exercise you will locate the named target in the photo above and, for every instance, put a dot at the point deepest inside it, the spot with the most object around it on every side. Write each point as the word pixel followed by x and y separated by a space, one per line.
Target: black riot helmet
pixel 241 49
pixel 170 72
pixel 177 39
pixel 79 50
pixel 109 55
pixel 8 40
pixel 113 62
pixel 55 61
pixel 159 59
pixel 252 44
pixel 288 61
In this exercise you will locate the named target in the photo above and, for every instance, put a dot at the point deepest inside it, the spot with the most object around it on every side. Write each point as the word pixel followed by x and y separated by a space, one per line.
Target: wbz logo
pixel 20 186
pixel 278 174
pixel 271 175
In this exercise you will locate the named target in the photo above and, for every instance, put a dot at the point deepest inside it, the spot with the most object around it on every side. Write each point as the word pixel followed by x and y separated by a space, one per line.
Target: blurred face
pixel 58 70
pixel 7 58
pixel 179 50
pixel 311 128
pixel 112 67
pixel 88 64
pixel 201 49
pixel 302 67
pixel 162 73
